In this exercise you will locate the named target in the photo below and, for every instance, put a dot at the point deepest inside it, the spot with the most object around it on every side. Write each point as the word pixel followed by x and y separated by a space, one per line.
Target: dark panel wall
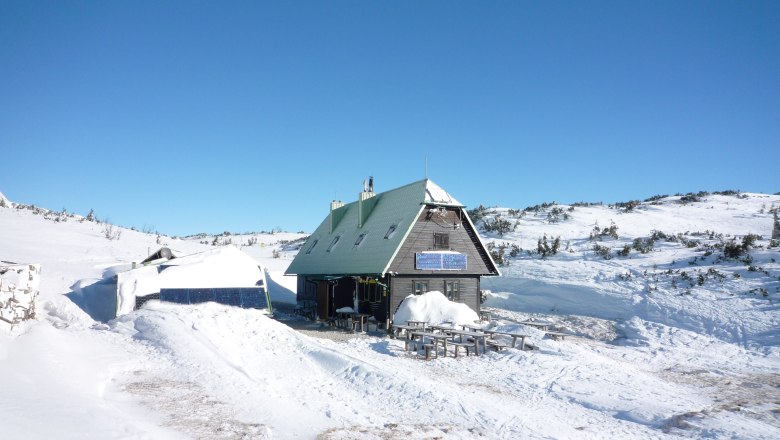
pixel 306 290
pixel 420 239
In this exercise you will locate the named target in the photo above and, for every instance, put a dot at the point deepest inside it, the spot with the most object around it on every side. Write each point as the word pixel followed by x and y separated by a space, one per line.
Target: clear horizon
pixel 246 117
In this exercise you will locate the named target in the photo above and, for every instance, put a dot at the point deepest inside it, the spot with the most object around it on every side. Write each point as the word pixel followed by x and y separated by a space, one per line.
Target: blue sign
pixel 440 261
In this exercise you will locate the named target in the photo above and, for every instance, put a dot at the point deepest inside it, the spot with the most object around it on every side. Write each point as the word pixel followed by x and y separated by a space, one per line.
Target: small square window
pixel 420 287
pixel 441 241
pixel 452 290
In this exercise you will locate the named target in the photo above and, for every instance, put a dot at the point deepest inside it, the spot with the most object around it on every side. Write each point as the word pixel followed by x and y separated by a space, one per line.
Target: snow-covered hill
pixel 673 269
pixel 660 355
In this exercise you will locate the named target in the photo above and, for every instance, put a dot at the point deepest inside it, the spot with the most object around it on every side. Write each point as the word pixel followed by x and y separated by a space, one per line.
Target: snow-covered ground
pixel 657 355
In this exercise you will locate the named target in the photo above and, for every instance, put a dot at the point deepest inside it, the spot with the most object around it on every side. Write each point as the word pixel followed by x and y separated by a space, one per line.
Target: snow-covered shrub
pixel 545 249
pixel 643 245
pixel 627 206
pixel 499 225
pixel 733 250
pixel 111 232
pixel 602 251
pixel 477 213
pixel 599 233
pixel 556 215
pixel 656 197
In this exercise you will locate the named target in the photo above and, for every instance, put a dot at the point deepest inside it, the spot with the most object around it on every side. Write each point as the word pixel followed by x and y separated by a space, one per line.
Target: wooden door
pixel 323 300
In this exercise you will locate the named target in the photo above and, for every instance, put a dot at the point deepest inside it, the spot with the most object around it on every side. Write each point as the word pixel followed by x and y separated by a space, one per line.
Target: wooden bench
pixel 541 325
pixel 467 345
pixel 429 348
pixel 556 335
pixel 496 344
pixel 514 337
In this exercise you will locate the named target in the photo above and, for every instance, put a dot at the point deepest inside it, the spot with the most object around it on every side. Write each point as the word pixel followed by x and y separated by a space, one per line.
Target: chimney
pixel 335 217
pixel 366 201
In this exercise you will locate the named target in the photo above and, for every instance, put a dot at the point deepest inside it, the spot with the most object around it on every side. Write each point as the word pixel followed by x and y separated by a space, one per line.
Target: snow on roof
pixel 222 267
pixel 433 307
pixel 436 195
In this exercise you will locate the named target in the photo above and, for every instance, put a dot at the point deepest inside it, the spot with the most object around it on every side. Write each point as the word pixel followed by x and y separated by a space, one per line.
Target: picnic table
pixel 472 327
pixel 407 329
pixel 307 308
pixel 438 338
pixel 556 335
pixel 541 325
pixel 441 327
pixel 417 323
pixel 514 337
pixel 359 317
pixel 477 336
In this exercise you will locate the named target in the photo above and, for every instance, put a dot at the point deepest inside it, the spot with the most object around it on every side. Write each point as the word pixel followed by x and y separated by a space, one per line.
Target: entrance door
pixel 323 300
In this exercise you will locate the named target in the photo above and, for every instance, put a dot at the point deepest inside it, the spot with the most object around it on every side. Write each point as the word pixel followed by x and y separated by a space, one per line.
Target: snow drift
pixel 433 307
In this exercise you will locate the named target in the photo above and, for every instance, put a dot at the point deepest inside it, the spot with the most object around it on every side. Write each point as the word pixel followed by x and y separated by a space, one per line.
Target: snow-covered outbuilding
pixel 372 253
pixel 224 275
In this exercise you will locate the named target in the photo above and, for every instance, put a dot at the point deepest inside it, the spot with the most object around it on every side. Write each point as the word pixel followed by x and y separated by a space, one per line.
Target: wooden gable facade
pixel 417 239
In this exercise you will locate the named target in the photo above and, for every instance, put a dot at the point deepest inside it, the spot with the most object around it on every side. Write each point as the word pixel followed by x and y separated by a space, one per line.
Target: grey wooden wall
pixel 420 239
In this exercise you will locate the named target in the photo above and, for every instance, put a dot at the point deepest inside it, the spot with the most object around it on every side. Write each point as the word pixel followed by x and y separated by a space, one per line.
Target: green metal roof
pixel 397 208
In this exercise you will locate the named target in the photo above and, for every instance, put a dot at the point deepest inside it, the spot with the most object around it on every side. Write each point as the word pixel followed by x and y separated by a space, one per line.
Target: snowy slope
pixel 684 283
pixel 649 363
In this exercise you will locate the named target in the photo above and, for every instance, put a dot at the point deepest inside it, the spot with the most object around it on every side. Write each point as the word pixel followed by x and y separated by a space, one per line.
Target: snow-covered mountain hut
pixel 372 253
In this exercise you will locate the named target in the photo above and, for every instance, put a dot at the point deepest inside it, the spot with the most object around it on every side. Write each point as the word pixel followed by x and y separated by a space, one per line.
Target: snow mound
pixel 433 307
pixel 222 267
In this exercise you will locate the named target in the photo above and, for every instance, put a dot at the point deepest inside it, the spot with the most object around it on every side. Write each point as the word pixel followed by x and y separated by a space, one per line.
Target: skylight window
pixel 360 239
pixel 314 243
pixel 390 232
pixel 333 243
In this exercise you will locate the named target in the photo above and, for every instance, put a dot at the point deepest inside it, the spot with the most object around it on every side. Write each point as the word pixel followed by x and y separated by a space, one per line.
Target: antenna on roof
pixel 426 167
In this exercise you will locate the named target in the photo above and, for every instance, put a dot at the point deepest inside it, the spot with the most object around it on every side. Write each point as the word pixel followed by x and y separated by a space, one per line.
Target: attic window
pixel 441 241
pixel 333 243
pixel 314 243
pixel 360 239
pixel 390 231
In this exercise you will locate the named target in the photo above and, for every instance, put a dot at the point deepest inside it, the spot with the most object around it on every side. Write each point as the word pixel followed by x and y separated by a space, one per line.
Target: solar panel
pixel 440 261
pixel 246 297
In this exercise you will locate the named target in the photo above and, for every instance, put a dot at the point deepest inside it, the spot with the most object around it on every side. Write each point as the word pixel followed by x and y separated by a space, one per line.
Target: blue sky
pixel 201 116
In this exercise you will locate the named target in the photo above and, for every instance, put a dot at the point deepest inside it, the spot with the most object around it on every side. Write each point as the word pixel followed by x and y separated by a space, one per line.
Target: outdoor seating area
pixel 431 341
pixel 353 321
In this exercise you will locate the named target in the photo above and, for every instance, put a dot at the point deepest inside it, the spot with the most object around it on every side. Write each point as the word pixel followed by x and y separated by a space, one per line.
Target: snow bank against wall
pixel 18 289
pixel 435 308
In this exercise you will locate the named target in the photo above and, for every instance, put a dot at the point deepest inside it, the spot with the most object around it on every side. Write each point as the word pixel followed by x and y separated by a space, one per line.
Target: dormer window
pixel 333 243
pixel 314 243
pixel 390 232
pixel 360 239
